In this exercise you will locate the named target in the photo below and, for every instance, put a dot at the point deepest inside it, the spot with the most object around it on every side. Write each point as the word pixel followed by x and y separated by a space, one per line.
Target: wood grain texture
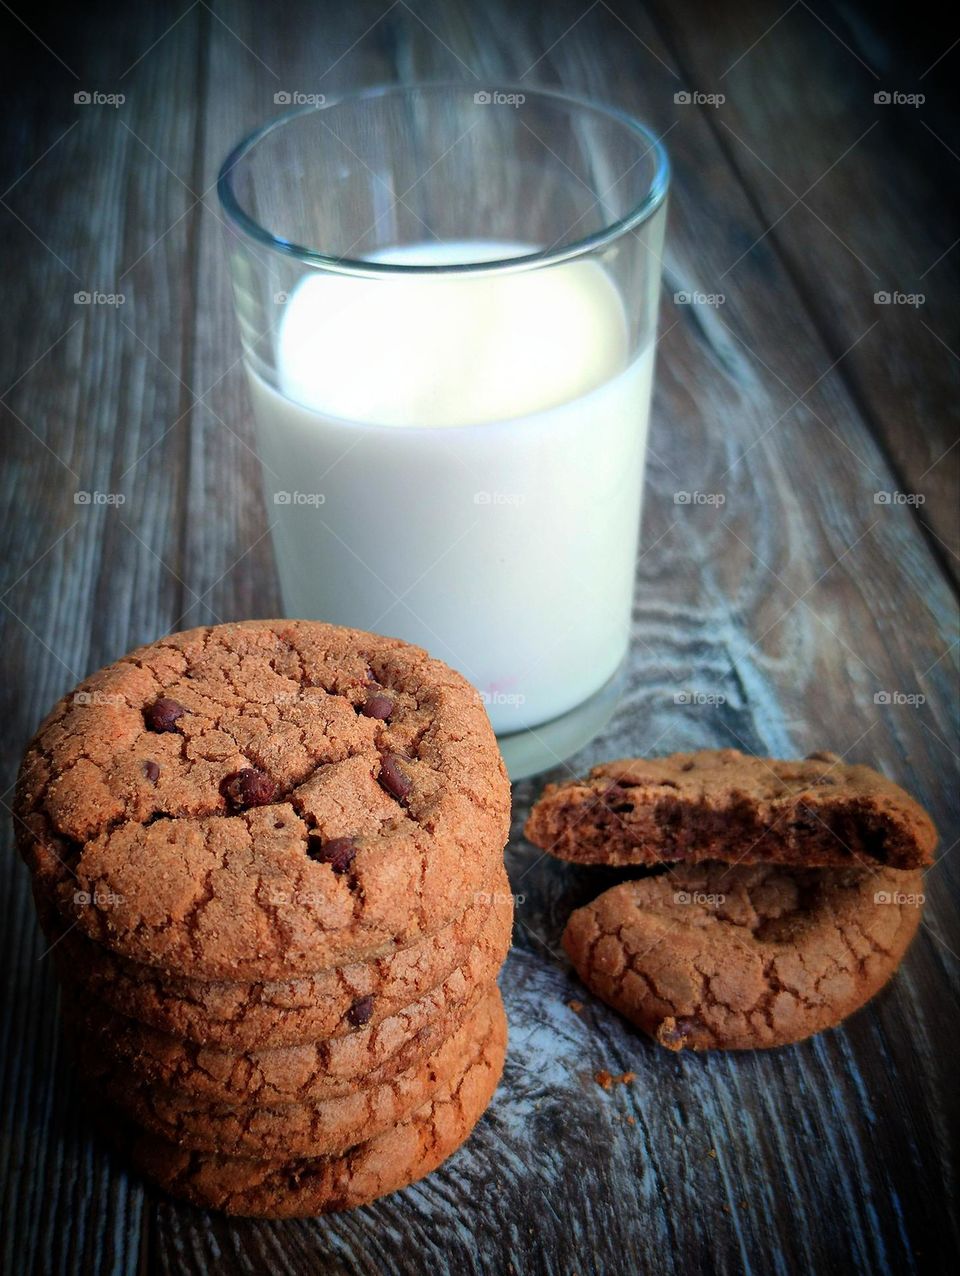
pixel 792 604
pixel 856 210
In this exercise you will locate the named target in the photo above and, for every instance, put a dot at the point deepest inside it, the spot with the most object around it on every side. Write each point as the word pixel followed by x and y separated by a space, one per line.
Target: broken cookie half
pixel 720 804
pixel 741 957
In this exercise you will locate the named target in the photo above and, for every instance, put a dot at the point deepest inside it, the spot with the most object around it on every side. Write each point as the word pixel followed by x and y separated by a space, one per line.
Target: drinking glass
pixel 447 300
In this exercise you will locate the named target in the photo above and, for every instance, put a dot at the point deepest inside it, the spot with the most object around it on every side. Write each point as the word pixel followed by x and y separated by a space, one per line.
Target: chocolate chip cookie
pixel 297 1188
pixel 736 957
pixel 264 800
pixel 256 1016
pixel 369 1054
pixel 724 805
pixel 324 1128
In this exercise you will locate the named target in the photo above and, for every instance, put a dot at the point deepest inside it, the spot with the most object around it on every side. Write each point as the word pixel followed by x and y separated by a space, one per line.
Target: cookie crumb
pixel 575 1006
pixel 607 1080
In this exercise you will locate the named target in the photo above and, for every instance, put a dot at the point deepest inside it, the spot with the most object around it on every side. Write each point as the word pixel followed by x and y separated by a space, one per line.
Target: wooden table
pixel 807 610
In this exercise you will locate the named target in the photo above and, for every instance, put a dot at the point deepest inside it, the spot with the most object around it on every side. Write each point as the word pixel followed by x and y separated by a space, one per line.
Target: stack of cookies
pixel 269 860
pixel 792 893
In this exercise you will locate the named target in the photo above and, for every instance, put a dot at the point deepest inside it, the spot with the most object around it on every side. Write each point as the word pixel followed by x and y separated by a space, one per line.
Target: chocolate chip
pixel 377 706
pixel 151 771
pixel 338 852
pixel 361 1012
pixel 162 715
pixel 249 787
pixel 396 781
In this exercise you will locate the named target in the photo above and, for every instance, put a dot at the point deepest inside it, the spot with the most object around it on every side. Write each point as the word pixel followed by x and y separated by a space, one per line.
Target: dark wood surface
pixel 796 601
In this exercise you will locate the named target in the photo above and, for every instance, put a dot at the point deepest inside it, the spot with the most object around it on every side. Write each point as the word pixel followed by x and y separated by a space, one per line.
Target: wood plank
pixel 79 405
pixel 852 195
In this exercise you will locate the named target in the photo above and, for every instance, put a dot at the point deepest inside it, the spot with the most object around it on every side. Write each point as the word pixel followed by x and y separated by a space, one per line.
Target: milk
pixel 457 461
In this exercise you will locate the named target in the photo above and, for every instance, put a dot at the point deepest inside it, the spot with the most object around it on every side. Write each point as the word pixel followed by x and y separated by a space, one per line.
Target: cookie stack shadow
pixel 249 1071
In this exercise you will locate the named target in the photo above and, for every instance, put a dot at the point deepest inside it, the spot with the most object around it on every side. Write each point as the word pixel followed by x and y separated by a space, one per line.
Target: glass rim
pixel 653 199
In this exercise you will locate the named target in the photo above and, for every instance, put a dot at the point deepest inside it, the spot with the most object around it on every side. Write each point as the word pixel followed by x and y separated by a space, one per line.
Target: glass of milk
pixel 448 301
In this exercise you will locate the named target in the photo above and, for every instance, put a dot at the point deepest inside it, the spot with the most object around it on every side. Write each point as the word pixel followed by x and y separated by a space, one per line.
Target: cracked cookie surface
pixel 372 1053
pixel 302 1187
pixel 264 799
pixel 737 957
pixel 264 1014
pixel 324 1128
pixel 719 803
